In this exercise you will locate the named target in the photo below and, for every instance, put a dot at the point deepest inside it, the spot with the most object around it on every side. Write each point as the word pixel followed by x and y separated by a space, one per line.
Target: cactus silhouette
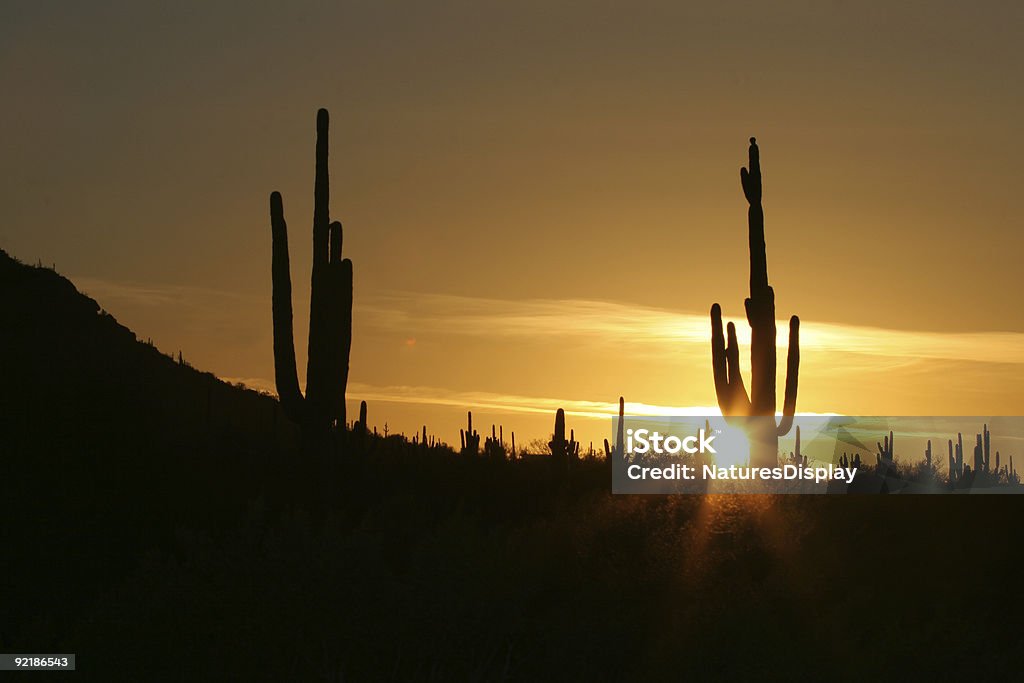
pixel 561 448
pixel 884 457
pixel 469 439
pixel 494 445
pixel 956 459
pixel 620 441
pixel 846 462
pixel 760 308
pixel 330 309
pixel 953 473
pixel 978 456
pixel 987 446
pixel 361 424
pixel 796 457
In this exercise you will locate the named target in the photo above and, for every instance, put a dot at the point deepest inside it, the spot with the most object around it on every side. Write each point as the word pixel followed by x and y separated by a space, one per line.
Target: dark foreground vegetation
pixel 161 524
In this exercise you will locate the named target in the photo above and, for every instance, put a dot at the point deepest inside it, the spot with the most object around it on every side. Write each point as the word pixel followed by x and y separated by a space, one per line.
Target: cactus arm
pixel 725 361
pixel 344 349
pixel 339 345
pixel 333 361
pixel 740 400
pixel 285 374
pixel 792 377
pixel 718 367
pixel 335 235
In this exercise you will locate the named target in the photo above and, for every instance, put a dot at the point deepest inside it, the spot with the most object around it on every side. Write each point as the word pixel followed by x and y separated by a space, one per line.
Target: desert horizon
pixel 581 236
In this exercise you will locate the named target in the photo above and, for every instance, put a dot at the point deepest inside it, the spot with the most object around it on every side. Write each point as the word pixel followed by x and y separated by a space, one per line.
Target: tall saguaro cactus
pixel 760 308
pixel 330 309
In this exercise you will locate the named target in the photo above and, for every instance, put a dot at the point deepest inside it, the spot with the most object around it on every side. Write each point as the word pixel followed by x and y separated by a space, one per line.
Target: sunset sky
pixel 541 199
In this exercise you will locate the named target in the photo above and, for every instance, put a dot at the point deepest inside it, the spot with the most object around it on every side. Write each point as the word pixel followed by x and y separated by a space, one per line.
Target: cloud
pixel 495 402
pixel 601 322
pixel 155 295
pixel 510 403
pixel 651 330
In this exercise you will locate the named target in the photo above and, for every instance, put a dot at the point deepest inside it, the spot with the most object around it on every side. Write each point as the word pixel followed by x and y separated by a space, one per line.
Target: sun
pixel 732 447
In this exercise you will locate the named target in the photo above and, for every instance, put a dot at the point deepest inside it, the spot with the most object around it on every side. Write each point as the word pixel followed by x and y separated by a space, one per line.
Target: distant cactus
pixel 360 426
pixel 984 475
pixel 561 448
pixel 494 447
pixel 927 470
pixel 952 464
pixel 986 445
pixel 958 460
pixel 885 458
pixel 795 456
pixel 330 309
pixel 846 462
pixel 760 307
pixel 469 439
pixel 979 455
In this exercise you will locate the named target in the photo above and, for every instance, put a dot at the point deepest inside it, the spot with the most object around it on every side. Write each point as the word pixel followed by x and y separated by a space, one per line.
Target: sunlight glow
pixel 733 447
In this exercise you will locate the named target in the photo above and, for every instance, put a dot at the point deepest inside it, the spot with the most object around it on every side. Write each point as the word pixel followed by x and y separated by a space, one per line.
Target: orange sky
pixel 544 196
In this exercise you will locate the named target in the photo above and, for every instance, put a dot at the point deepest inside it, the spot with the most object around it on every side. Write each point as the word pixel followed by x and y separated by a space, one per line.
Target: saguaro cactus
pixel 360 426
pixel 469 439
pixel 562 448
pixel 796 457
pixel 980 460
pixel 760 308
pixel 494 446
pixel 330 309
pixel 884 457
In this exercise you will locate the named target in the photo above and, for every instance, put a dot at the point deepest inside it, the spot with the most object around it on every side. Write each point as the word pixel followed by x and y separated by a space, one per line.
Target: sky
pixel 541 199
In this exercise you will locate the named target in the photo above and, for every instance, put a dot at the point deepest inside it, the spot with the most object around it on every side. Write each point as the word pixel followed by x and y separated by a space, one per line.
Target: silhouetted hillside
pixel 106 442
pixel 73 372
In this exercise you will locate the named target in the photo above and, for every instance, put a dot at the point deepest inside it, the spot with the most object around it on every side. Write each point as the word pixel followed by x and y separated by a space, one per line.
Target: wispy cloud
pixel 496 402
pixel 595 322
pixel 154 295
pixel 602 322
pixel 508 403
